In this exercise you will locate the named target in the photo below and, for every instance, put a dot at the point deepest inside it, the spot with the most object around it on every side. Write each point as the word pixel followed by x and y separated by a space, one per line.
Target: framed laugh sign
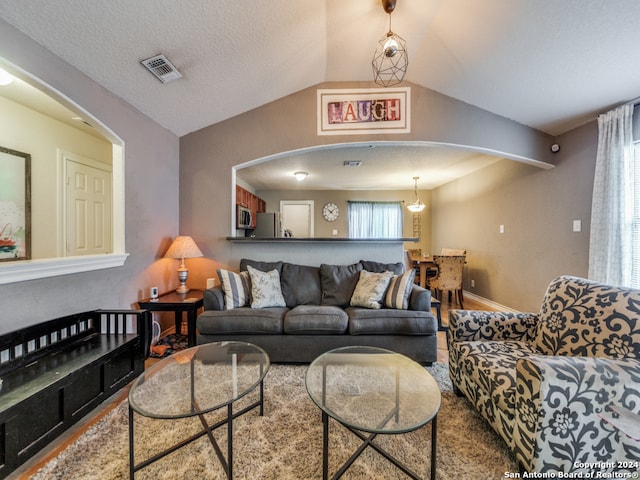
pixel 364 111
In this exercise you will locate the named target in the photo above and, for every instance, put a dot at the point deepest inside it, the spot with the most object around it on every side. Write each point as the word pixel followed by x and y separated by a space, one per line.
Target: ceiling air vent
pixel 162 68
pixel 352 163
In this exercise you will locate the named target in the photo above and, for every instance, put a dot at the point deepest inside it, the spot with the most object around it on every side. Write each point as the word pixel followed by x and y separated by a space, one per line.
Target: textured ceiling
pixel 549 64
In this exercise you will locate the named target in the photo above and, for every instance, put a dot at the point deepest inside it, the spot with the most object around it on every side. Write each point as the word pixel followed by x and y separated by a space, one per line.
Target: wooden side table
pixel 189 302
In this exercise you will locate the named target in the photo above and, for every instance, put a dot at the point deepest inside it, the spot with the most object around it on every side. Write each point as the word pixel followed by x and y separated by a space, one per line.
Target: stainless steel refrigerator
pixel 268 225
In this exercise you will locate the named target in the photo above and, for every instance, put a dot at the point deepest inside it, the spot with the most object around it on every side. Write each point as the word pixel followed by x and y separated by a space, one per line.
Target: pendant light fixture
pixel 390 60
pixel 417 206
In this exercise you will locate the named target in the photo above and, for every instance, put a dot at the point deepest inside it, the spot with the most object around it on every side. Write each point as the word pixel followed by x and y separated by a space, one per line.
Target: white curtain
pixel 375 219
pixel 611 245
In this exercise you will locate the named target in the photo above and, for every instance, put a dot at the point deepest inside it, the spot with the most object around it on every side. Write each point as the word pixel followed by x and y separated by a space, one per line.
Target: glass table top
pixel 199 379
pixel 373 389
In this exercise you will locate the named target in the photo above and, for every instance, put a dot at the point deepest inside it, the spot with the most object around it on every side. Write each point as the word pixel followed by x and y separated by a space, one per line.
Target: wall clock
pixel 330 212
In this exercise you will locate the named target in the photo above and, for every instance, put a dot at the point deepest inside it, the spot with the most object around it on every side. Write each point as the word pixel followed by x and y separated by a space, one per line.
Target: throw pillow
pixel 377 267
pixel 399 290
pixel 338 283
pixel 370 289
pixel 262 266
pixel 301 285
pixel 235 287
pixel 265 288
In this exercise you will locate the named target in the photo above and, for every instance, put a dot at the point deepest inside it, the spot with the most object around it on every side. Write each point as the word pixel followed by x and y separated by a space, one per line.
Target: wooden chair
pixel 453 251
pixel 449 276
pixel 409 264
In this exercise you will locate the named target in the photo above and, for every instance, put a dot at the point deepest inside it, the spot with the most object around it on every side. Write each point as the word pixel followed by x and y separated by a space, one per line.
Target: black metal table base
pixel 368 442
pixel 227 463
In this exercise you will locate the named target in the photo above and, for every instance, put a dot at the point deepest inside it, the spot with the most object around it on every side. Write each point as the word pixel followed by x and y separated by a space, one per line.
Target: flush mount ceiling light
pixel 300 175
pixel 390 60
pixel 417 206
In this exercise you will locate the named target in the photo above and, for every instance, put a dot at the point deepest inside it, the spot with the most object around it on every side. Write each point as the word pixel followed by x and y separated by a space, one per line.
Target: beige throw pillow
pixel 370 289
pixel 265 289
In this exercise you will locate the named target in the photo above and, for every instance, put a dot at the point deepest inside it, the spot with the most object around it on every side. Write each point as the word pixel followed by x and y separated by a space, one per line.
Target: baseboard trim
pixel 490 303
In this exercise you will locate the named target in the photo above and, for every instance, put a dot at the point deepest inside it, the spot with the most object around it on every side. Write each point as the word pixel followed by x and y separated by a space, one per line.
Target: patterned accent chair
pixel 543 381
pixel 449 276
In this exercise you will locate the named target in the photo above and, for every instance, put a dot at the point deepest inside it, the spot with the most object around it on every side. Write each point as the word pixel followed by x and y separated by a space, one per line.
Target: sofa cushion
pixel 243 320
pixel 370 289
pixel 492 367
pixel 236 288
pixel 301 285
pixel 400 288
pixel 321 319
pixel 262 266
pixel 377 267
pixel 366 321
pixel 338 283
pixel 583 318
pixel 265 289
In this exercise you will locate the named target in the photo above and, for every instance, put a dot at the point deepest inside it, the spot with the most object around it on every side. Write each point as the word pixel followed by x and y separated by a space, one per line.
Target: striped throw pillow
pixel 236 288
pixel 399 290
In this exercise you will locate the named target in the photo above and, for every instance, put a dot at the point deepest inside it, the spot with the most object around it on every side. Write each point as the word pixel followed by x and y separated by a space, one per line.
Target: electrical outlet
pixel 577 225
pixel 473 283
pixel 501 229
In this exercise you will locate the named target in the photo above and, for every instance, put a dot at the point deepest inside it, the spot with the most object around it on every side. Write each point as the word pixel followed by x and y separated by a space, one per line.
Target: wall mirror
pixel 76 182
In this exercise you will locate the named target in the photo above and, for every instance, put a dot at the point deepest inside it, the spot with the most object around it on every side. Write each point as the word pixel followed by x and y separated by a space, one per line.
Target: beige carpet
pixel 286 443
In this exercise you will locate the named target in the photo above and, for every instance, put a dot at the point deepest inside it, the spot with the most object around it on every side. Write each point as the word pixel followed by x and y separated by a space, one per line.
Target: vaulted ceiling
pixel 549 64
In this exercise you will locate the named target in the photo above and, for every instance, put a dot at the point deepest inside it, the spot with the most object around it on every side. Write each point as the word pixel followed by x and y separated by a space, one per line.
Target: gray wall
pixel 537 208
pixel 151 199
pixel 208 156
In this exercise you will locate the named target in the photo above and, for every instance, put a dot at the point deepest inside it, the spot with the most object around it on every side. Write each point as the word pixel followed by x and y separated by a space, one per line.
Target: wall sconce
pixel 183 247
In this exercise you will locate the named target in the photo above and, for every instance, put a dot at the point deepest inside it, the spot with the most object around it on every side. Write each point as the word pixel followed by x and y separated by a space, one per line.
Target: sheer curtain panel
pixel 375 219
pixel 611 245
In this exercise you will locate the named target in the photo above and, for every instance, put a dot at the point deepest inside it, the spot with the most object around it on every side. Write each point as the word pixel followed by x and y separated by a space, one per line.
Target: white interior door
pixel 87 208
pixel 297 216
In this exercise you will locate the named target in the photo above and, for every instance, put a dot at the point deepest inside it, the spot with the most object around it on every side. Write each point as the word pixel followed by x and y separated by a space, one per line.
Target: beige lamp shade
pixel 183 247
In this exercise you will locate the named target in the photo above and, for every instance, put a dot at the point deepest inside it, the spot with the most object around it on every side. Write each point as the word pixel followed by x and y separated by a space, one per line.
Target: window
pixel 375 219
pixel 635 222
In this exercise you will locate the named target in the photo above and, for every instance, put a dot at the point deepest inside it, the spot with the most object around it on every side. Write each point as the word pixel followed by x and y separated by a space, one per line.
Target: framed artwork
pixel 364 111
pixel 15 205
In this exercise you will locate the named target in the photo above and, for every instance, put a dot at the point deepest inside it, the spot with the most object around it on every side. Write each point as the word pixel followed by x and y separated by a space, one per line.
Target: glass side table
pixel 376 391
pixel 194 382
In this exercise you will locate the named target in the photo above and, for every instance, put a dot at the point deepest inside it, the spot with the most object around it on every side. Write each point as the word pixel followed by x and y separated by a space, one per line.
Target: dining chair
pixel 410 264
pixel 449 276
pixel 452 251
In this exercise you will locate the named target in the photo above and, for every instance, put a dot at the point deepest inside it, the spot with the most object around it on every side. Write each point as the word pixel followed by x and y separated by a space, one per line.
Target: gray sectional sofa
pixel 316 310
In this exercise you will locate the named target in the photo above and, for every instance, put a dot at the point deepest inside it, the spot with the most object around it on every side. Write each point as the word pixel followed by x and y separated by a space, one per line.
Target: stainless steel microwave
pixel 243 217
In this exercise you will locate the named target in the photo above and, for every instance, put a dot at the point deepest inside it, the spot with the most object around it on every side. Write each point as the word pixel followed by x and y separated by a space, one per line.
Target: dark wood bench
pixel 55 372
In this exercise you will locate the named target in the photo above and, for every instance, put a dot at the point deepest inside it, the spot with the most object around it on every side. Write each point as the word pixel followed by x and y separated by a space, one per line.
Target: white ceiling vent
pixel 162 68
pixel 352 163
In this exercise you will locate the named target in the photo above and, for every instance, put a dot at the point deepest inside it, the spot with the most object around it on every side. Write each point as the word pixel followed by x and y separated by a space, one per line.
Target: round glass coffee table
pixel 373 390
pixel 194 382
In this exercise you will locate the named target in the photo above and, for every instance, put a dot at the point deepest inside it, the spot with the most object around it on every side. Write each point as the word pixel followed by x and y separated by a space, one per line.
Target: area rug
pixel 286 443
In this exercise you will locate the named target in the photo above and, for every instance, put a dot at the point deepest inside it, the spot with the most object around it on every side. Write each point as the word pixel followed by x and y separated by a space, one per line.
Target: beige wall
pixel 537 208
pixel 28 131
pixel 324 228
pixel 151 200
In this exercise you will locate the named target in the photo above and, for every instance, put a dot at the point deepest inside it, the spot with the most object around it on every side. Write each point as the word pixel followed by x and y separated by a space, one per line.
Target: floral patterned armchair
pixel 543 381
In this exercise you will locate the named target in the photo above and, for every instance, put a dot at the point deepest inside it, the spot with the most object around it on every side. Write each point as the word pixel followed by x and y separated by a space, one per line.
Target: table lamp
pixel 183 247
